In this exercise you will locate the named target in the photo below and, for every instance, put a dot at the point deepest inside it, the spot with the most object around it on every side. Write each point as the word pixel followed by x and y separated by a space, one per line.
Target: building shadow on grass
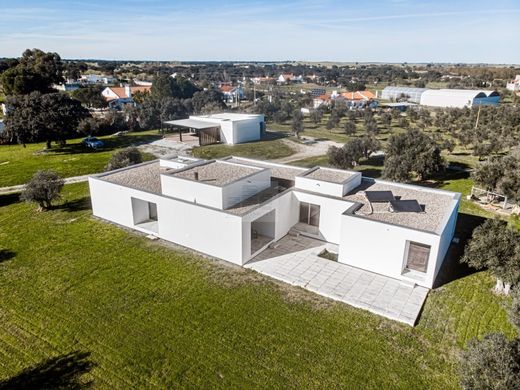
pixel 6 254
pixel 9 199
pixel 80 204
pixel 452 269
pixel 61 372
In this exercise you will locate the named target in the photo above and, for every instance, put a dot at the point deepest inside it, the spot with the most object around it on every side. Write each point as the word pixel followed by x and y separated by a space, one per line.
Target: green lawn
pixel 18 164
pixel 267 150
pixel 141 315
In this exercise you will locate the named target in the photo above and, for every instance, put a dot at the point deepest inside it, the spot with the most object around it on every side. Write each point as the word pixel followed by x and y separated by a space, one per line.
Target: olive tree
pixel 43 188
pixel 491 364
pixel 495 246
pixel 124 158
pixel 412 154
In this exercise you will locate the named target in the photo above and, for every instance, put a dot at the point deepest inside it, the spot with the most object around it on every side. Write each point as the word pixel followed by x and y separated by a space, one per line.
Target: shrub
pixel 124 158
pixel 43 188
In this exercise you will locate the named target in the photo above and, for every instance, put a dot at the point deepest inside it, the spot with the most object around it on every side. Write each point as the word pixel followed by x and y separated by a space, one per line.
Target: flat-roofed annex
pixel 217 173
pixel 437 205
pixel 326 174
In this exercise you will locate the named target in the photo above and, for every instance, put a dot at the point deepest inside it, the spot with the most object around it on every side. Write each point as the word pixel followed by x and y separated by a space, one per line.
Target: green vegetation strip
pixel 158 317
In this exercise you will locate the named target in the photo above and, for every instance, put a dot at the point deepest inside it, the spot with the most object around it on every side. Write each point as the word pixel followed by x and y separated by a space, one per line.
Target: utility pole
pixel 478 115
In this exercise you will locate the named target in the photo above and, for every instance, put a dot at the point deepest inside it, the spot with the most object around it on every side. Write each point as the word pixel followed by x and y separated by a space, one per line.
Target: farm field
pixel 93 303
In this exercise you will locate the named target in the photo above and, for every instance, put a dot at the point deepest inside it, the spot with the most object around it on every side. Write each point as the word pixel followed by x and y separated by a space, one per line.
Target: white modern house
pixel 234 209
pixel 514 85
pixel 227 128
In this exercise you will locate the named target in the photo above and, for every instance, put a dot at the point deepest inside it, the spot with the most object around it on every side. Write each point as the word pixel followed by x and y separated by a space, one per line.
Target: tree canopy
pixel 495 246
pixel 412 153
pixel 36 70
pixel 491 364
pixel 43 117
pixel 43 188
pixel 90 96
pixel 500 174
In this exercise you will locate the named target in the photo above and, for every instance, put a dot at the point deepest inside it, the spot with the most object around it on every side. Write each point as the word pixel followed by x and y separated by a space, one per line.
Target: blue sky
pixel 326 30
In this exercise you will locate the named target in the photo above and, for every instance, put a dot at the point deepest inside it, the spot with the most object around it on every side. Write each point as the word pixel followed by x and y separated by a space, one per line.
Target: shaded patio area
pixel 295 260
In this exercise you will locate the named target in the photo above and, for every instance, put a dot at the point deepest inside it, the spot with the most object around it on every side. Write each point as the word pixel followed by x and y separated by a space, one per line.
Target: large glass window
pixel 418 255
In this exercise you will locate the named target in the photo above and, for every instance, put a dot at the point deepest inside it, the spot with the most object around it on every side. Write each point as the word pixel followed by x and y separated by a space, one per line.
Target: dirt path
pixel 19 188
pixel 303 151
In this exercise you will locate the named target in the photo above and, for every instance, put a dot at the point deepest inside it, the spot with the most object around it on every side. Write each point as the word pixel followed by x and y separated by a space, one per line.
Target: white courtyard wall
pixel 238 191
pixel 192 191
pixel 381 248
pixel 331 211
pixel 213 232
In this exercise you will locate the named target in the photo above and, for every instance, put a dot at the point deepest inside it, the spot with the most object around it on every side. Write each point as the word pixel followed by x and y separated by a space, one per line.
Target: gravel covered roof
pixel 436 205
pixel 216 172
pixel 330 175
pixel 281 172
pixel 144 177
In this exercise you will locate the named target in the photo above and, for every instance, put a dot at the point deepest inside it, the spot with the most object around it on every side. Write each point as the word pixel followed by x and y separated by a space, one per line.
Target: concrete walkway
pixel 19 188
pixel 295 260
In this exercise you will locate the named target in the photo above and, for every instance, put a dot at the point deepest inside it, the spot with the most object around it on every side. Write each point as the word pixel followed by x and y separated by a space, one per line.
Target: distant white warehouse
pixel 227 128
pixel 458 98
pixel 409 94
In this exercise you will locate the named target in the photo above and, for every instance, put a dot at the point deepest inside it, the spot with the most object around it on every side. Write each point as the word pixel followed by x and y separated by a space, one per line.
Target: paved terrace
pixel 295 261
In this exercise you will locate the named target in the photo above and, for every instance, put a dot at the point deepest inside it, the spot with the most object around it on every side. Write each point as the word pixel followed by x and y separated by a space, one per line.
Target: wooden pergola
pixel 207 132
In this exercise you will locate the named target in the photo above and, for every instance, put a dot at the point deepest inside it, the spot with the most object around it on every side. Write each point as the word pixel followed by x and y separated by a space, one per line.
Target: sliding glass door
pixel 310 214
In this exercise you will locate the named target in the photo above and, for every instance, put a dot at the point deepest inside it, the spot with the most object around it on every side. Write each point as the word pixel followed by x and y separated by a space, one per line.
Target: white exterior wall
pixel 246 130
pixel 192 191
pixel 446 235
pixel 206 230
pixel 178 163
pixel 328 188
pixel 382 248
pixel 331 211
pixel 238 191
pixel 287 214
pixel 226 131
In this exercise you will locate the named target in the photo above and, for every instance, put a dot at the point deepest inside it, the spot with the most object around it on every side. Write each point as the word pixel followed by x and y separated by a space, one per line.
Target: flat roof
pixel 217 173
pixel 193 124
pixel 278 171
pixel 330 175
pixel 233 116
pixel 437 204
pixel 146 177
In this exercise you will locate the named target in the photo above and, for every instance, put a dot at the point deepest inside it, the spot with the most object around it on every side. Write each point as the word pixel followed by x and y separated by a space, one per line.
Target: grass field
pixel 87 301
pixel 267 150
pixel 18 164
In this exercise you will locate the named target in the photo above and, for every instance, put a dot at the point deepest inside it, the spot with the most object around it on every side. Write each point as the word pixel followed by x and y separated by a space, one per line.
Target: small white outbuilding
pixel 227 128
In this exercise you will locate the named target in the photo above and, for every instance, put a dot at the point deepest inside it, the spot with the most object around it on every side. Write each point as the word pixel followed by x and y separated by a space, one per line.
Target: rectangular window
pixel 310 214
pixel 417 258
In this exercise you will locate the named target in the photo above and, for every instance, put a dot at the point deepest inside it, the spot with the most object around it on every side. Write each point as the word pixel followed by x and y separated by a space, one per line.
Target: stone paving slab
pixel 296 261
